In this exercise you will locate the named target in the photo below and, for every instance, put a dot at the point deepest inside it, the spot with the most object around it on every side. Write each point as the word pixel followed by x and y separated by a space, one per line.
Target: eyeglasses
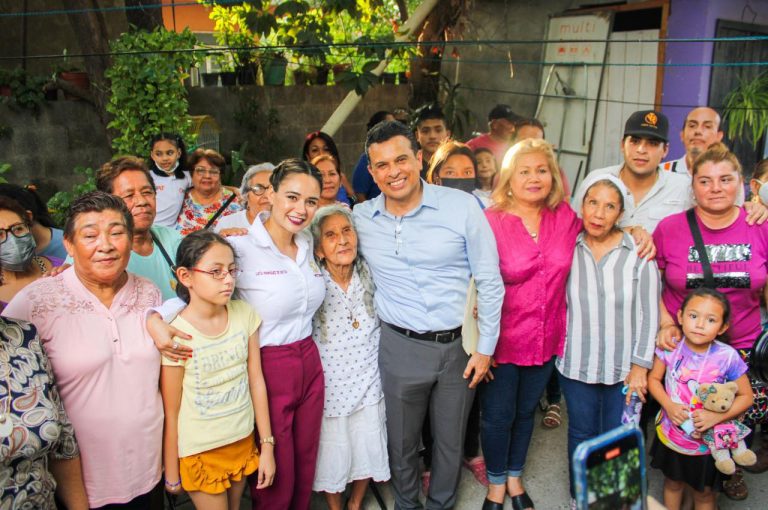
pixel 206 171
pixel 17 229
pixel 219 274
pixel 257 189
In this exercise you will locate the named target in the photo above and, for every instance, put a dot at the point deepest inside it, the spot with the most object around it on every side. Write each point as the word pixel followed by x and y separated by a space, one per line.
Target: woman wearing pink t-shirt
pixel 738 254
pixel 535 233
pixel 90 319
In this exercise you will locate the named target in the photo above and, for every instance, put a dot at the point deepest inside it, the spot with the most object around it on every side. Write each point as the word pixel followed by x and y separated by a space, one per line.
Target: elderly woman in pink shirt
pixel 91 322
pixel 535 233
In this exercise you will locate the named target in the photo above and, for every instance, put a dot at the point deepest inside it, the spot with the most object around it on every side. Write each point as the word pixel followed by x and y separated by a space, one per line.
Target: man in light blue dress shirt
pixel 423 243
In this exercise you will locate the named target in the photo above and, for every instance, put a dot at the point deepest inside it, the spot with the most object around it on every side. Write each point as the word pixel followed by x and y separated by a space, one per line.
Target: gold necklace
pixel 352 318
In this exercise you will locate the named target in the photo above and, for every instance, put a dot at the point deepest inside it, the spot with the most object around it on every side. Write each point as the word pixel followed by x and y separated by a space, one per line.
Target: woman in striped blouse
pixel 613 315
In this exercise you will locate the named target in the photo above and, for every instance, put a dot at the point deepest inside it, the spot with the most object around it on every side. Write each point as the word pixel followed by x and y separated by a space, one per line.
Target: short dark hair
pixel 178 142
pixel 111 170
pixel 210 155
pixel 28 199
pixel 377 117
pixel 429 112
pixel 384 131
pixel 96 201
pixel 293 166
pixel 529 121
pixel 328 139
pixel 191 249
pixel 9 204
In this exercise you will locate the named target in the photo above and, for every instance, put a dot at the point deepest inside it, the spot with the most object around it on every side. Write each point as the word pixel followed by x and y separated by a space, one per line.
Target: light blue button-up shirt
pixel 421 262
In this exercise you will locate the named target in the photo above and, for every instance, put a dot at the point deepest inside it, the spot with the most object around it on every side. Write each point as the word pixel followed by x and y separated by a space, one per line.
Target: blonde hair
pixel 325 157
pixel 717 153
pixel 502 195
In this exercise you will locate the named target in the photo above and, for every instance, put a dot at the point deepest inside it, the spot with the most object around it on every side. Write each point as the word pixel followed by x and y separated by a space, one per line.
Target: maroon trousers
pixel 295 390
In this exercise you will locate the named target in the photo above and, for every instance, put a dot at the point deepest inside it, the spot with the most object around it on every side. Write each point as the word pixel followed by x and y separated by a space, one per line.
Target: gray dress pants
pixel 419 376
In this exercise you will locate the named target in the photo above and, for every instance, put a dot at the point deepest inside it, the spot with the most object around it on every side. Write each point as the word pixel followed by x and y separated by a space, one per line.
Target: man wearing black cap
pixel 654 194
pixel 501 132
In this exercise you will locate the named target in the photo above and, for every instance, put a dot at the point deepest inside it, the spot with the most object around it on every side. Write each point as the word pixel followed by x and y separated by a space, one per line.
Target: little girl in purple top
pixel 679 451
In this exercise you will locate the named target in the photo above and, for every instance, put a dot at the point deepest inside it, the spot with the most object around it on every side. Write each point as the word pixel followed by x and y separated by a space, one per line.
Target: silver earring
pixel 509 193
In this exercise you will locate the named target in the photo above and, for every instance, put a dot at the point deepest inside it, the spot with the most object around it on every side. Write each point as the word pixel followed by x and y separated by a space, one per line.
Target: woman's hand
pixel 56 271
pixel 704 419
pixel 236 191
pixel 637 381
pixel 668 337
pixel 756 213
pixel 678 413
pixel 226 232
pixel 266 466
pixel 172 488
pixel 644 241
pixel 163 335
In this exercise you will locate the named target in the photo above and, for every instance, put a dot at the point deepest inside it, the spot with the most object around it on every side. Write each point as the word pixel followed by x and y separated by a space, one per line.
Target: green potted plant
pixel 746 109
pixel 73 75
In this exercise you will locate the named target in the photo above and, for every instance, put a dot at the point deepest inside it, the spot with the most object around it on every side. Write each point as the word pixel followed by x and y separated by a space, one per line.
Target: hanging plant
pixel 147 91
pixel 746 109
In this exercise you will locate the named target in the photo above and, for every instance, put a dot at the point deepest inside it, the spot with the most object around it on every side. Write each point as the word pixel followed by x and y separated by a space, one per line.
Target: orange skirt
pixel 214 471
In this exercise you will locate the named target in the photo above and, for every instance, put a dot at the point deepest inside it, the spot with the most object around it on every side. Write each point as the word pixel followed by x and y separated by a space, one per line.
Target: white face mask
pixel 762 192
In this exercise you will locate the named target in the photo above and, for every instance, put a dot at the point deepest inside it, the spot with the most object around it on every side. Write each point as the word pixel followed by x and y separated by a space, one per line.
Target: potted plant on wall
pixel 72 75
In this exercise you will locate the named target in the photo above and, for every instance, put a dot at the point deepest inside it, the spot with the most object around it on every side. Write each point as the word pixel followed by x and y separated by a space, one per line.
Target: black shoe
pixel 492 505
pixel 522 502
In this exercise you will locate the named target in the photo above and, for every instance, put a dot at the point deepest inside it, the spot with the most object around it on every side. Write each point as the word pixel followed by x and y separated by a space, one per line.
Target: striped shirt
pixel 613 314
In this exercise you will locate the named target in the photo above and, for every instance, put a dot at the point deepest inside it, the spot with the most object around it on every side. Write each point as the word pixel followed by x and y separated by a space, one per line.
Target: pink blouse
pixel 533 316
pixel 107 371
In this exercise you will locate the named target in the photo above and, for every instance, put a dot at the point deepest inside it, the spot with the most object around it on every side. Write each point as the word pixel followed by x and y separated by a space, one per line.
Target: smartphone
pixel 609 471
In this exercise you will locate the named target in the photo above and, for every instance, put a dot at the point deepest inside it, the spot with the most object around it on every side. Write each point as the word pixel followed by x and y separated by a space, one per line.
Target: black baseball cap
pixel 648 124
pixel 503 111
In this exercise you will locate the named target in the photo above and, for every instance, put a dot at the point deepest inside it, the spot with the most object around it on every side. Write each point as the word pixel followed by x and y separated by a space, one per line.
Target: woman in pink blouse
pixel 535 233
pixel 91 322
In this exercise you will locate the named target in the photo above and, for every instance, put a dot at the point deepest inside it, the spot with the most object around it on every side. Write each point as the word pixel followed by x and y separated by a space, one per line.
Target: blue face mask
pixel 16 252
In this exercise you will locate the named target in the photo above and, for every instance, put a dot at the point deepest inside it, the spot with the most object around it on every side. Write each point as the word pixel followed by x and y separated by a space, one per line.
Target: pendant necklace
pixel 352 318
pixel 6 423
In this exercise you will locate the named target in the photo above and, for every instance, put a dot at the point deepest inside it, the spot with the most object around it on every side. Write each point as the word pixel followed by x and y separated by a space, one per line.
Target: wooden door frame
pixel 640 6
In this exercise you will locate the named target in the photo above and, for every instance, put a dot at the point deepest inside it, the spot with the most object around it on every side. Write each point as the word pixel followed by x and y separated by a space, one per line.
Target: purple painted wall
pixel 686 86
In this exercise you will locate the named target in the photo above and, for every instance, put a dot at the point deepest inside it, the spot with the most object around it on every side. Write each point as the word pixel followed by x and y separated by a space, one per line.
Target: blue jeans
pixel 508 404
pixel 592 410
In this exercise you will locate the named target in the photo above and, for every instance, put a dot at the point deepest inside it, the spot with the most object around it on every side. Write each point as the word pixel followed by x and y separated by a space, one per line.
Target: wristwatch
pixel 269 439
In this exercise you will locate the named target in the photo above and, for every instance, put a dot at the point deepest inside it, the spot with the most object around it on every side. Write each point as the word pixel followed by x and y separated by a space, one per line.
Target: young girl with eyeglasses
pixel 212 399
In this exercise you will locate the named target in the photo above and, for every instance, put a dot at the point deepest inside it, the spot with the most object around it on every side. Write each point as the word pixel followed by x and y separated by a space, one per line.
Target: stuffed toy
pixel 725 440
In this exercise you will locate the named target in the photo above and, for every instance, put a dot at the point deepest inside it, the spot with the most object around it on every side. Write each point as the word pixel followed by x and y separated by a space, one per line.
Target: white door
pixel 626 89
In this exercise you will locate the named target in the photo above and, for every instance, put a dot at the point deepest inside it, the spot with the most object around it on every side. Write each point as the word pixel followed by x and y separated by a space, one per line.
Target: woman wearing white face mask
pixel 757 184
pixel 19 266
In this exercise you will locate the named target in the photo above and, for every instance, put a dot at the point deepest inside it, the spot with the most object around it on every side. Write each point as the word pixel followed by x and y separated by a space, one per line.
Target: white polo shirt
pixel 678 166
pixel 670 194
pixel 285 293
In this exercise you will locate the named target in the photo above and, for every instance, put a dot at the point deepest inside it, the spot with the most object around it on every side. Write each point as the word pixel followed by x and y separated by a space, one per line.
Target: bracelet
pixel 172 485
pixel 270 440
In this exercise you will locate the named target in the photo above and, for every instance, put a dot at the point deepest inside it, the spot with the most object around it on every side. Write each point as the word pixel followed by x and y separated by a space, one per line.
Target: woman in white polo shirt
pixel 281 280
